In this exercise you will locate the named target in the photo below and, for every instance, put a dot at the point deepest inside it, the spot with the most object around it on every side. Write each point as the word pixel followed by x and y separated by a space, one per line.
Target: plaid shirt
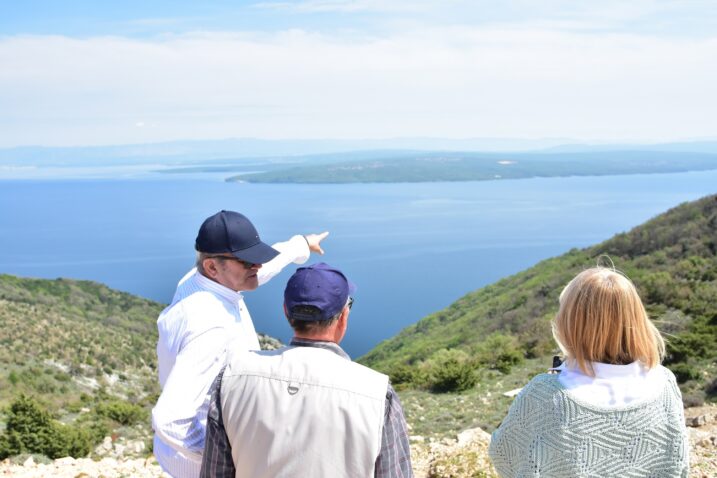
pixel 394 459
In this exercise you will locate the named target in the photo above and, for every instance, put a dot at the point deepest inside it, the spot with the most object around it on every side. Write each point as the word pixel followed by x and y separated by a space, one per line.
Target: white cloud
pixel 351 6
pixel 437 82
pixel 679 17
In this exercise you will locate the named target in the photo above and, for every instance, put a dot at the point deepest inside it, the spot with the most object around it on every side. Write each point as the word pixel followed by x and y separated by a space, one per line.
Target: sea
pixel 412 249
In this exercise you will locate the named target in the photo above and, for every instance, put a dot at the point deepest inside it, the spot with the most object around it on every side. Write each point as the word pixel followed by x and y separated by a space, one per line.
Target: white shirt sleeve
pixel 180 416
pixel 294 250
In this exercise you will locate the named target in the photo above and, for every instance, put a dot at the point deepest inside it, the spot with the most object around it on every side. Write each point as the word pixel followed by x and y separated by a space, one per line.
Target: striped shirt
pixel 195 331
pixel 394 459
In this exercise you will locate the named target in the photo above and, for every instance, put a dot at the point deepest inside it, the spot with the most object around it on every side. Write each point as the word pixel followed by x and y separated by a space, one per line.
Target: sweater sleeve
pixel 502 451
pixel 679 412
pixel 512 443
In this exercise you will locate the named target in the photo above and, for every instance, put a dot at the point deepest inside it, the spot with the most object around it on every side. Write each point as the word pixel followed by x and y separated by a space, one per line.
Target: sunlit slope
pixel 63 337
pixel 672 259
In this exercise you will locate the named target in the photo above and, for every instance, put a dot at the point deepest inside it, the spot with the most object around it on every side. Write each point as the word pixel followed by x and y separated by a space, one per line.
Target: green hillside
pixel 77 364
pixel 673 261
pixel 62 338
pixel 78 361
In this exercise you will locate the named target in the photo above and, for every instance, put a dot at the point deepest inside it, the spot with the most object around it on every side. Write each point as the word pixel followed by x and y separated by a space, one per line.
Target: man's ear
pixel 286 312
pixel 210 267
pixel 342 325
pixel 344 318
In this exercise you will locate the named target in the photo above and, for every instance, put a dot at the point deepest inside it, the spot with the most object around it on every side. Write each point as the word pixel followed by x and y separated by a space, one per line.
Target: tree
pixel 31 429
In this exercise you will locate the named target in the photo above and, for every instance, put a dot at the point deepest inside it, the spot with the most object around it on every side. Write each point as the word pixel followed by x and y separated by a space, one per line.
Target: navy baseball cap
pixel 321 287
pixel 229 231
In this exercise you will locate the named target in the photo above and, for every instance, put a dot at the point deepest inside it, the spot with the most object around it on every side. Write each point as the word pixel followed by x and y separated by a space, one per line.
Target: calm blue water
pixel 412 249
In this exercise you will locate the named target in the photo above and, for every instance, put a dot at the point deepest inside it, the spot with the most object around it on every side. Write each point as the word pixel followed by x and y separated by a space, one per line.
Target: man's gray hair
pixel 199 261
pixel 312 326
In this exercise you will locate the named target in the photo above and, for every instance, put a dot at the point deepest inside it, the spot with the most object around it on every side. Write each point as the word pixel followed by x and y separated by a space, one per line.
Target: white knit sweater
pixel 550 433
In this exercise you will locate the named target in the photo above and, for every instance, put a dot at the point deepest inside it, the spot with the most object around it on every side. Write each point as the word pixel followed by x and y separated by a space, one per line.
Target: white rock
pixel 707 442
pixel 68 460
pixel 473 435
pixel 107 463
pixel 696 421
pixel 137 446
pixel 416 438
pixel 105 447
pixel 119 450
pixel 513 393
pixel 29 463
pixel 699 437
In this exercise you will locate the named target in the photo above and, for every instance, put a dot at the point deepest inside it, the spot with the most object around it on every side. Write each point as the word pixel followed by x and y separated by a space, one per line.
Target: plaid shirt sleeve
pixel 217 461
pixel 394 459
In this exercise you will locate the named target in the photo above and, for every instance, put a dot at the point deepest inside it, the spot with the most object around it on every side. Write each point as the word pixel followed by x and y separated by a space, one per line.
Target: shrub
pixel 121 412
pixel 694 398
pixel 31 429
pixel 684 372
pixel 449 370
pixel 499 352
pixel 403 374
pixel 711 388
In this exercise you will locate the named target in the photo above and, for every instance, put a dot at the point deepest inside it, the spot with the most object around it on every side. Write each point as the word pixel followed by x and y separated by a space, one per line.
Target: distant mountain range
pixel 203 152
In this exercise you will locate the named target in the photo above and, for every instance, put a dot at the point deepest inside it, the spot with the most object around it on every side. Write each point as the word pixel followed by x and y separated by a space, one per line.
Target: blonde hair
pixel 602 319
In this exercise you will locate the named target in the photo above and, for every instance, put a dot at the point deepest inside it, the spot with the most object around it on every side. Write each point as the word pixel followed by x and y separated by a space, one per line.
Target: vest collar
pixel 320 344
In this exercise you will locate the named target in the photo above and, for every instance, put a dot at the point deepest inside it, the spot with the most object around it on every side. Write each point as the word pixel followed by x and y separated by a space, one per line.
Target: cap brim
pixel 352 287
pixel 259 253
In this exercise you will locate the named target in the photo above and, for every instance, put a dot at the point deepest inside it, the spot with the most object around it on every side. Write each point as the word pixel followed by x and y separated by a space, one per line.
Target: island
pixel 471 166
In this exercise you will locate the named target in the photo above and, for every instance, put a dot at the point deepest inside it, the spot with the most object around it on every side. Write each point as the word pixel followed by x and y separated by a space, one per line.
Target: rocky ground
pixel 702 428
pixel 466 456
pixel 84 468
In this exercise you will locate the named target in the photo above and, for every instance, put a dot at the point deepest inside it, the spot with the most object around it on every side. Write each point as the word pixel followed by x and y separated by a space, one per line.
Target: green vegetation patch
pixel 77 363
pixel 672 259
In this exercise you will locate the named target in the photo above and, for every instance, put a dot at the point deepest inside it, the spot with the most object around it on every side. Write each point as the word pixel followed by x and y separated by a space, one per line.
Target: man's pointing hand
pixel 314 241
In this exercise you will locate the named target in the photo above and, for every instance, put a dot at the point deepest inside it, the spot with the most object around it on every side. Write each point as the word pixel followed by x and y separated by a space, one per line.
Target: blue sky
pixel 136 18
pixel 91 72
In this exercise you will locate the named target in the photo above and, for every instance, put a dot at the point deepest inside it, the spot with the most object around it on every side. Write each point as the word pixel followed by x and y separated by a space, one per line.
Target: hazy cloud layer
pixel 520 80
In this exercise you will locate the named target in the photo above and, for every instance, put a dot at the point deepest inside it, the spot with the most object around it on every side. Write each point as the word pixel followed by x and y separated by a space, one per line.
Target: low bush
pixel 449 370
pixel 122 412
pixel 403 374
pixel 684 372
pixel 30 428
pixel 499 352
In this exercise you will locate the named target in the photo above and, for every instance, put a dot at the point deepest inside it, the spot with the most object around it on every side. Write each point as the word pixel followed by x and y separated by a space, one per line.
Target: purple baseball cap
pixel 229 231
pixel 319 286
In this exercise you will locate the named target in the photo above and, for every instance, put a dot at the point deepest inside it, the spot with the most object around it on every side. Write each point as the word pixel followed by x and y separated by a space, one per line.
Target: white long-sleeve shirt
pixel 195 331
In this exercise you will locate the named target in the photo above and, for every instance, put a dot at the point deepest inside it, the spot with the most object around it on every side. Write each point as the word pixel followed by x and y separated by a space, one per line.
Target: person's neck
pixel 317 337
pixel 216 281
